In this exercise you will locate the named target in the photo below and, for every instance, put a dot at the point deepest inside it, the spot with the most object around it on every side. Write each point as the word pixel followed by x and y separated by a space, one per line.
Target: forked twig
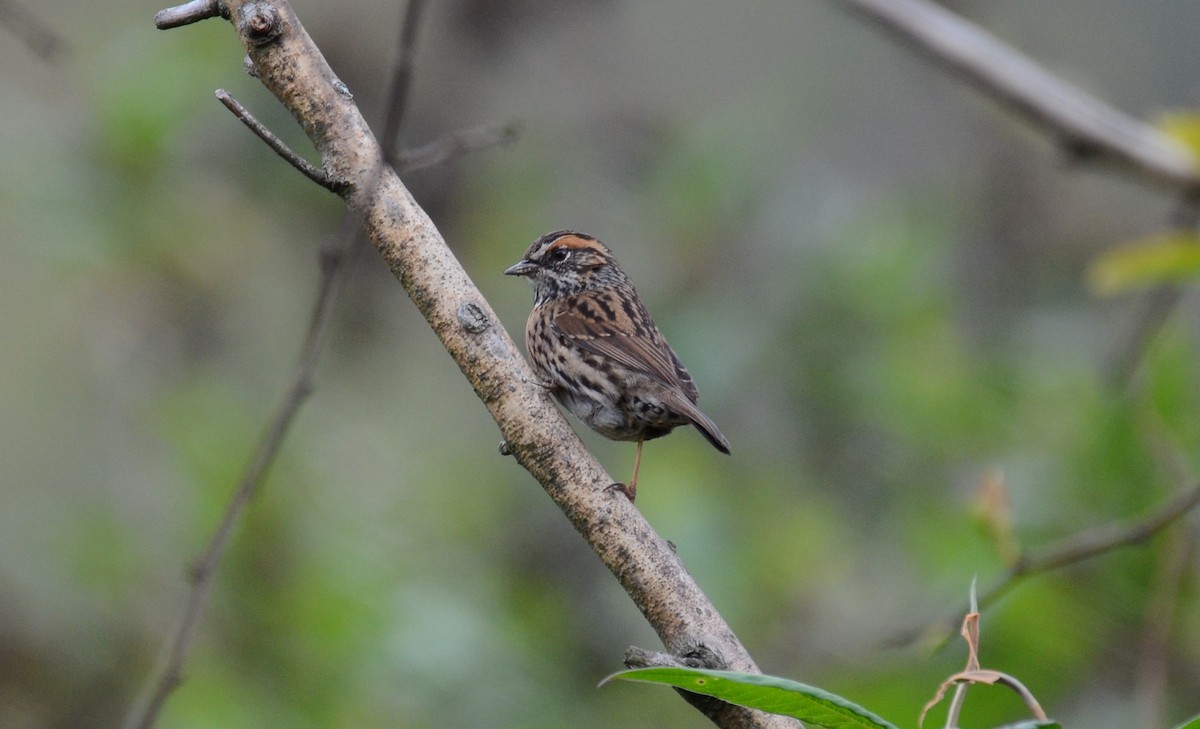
pixel 305 167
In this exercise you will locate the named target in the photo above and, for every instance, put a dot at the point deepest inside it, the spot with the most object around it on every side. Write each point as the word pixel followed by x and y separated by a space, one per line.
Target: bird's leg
pixel 637 463
pixel 630 489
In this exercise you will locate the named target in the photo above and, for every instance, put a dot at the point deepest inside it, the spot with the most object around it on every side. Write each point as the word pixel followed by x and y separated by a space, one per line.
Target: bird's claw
pixel 630 490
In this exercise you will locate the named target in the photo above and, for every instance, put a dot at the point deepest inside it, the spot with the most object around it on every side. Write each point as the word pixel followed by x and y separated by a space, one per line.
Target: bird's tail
pixel 710 431
pixel 703 423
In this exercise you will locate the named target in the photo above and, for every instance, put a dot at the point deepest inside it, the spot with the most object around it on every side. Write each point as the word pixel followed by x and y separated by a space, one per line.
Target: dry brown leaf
pixel 991 678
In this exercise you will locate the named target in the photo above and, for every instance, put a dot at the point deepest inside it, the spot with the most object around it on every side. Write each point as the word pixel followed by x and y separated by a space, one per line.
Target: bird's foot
pixel 630 490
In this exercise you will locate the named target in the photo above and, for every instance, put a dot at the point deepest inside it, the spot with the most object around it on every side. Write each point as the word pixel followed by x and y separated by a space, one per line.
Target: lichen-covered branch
pixel 288 63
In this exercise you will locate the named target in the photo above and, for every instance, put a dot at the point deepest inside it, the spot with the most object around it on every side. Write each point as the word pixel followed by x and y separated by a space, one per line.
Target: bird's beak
pixel 523 267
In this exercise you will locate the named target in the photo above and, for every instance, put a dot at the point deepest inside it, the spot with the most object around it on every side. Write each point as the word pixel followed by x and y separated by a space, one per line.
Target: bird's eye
pixel 558 255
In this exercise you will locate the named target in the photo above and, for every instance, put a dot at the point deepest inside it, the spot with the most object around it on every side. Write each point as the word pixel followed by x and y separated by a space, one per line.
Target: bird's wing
pixel 618 327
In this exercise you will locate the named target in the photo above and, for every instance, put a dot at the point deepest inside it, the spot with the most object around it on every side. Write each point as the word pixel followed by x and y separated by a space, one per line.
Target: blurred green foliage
pixel 880 288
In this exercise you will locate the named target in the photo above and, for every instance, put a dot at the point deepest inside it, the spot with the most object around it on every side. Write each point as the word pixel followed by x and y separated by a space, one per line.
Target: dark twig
pixel 1087 126
pixel 1093 542
pixel 1150 693
pixel 1072 550
pixel 202 571
pixel 1155 311
pixel 304 166
pixel 37 35
pixel 190 12
pixel 396 108
pixel 402 75
pixel 333 263
pixel 456 144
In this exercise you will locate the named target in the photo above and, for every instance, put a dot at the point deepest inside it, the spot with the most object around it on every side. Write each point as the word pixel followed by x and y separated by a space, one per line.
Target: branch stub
pixel 259 22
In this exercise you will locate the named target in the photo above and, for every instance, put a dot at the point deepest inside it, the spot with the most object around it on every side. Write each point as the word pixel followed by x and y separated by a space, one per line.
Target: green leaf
pixel 1184 127
pixel 1162 258
pixel 765 693
pixel 1193 723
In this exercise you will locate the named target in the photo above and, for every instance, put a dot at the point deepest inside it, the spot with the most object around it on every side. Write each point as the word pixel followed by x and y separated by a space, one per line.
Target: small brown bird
pixel 598 351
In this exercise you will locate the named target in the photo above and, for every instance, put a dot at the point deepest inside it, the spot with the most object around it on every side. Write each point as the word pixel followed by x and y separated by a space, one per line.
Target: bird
pixel 598 352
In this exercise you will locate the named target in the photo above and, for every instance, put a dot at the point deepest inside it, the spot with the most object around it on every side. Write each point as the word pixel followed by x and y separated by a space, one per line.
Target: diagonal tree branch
pixel 1088 127
pixel 289 64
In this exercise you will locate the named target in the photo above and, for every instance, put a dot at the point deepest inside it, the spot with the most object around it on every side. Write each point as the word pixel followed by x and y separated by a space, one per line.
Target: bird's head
pixel 566 262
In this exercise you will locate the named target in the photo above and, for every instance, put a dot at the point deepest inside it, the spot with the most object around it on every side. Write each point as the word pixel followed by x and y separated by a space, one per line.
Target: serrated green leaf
pixel 765 693
pixel 1184 127
pixel 1163 258
pixel 1193 723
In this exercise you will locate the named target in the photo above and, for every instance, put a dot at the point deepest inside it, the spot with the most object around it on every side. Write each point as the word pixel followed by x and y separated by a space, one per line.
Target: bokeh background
pixel 876 275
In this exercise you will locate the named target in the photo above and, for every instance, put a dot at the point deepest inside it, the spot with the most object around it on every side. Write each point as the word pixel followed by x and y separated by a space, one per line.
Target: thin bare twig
pixel 38 36
pixel 188 13
pixel 402 75
pixel 1150 692
pixel 1072 550
pixel 396 107
pixel 333 262
pixel 456 144
pixel 1087 127
pixel 1095 541
pixel 1155 311
pixel 170 675
pixel 305 167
